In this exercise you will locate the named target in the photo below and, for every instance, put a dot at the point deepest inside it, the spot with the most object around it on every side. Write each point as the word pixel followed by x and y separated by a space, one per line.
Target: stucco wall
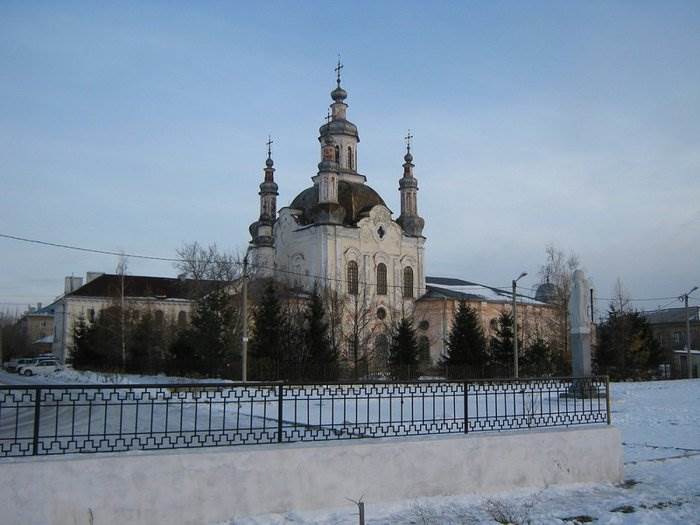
pixel 210 485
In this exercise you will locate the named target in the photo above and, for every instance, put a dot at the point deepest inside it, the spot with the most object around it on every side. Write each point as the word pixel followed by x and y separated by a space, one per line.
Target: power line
pixel 289 272
pixel 89 250
pixel 179 260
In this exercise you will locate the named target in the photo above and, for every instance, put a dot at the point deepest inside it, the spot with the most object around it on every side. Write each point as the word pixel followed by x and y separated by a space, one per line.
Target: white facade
pixel 339 234
pixel 77 304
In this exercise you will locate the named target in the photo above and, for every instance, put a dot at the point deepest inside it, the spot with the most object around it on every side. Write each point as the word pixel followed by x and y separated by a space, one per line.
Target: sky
pixel 141 126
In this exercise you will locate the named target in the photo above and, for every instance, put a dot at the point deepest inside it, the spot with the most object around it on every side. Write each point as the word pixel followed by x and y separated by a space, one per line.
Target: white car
pixel 41 366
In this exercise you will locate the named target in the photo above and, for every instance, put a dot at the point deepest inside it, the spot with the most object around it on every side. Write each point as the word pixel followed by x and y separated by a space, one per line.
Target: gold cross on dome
pixel 408 138
pixel 269 143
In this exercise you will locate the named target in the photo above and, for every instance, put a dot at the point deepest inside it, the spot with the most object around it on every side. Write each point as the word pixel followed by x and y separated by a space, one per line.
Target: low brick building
pixel 435 311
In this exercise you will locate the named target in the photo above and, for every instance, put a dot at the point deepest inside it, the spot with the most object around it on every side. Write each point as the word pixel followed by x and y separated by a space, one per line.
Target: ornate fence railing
pixel 64 419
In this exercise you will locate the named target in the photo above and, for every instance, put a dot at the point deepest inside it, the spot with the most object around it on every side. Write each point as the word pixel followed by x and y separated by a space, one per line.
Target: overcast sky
pixel 142 126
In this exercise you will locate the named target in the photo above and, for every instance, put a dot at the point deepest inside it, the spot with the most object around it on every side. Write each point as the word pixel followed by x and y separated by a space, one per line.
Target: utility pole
pixel 515 327
pixel 244 347
pixel 122 270
pixel 687 332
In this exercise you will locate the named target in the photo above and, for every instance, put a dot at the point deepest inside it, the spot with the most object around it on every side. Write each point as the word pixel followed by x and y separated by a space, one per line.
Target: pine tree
pixel 321 360
pixel 268 335
pixel 626 347
pixel 403 351
pixel 209 346
pixel 83 355
pixel 502 345
pixel 466 345
pixel 537 359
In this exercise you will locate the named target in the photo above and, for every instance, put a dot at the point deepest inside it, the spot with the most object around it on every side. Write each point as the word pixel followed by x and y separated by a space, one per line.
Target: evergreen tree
pixel 146 347
pixel 97 345
pixel 466 345
pixel 321 359
pixel 209 346
pixel 268 336
pixel 403 351
pixel 537 359
pixel 83 354
pixel 502 345
pixel 626 347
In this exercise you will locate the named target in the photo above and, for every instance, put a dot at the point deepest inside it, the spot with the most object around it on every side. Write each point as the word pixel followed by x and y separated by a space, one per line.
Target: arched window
pixel 182 319
pixel 408 282
pixel 350 157
pixel 337 154
pixel 381 279
pixel 160 317
pixel 352 278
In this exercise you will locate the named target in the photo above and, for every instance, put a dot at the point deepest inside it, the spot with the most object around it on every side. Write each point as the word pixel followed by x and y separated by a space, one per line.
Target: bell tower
pixel 409 219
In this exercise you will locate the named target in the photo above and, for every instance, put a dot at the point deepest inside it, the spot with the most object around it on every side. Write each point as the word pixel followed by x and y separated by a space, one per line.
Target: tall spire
pixel 410 221
pixel 342 132
pixel 261 231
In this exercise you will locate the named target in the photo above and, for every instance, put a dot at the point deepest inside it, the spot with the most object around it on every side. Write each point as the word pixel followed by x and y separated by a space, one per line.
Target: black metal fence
pixel 48 419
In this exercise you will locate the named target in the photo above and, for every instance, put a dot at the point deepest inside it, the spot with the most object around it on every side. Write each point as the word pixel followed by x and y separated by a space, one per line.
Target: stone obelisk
pixel 580 323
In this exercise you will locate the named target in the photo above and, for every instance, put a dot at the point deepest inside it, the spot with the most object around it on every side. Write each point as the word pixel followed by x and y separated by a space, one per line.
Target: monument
pixel 580 331
pixel 580 323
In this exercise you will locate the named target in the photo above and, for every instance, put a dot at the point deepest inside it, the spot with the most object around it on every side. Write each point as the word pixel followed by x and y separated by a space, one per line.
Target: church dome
pixel 546 293
pixel 339 126
pixel 356 200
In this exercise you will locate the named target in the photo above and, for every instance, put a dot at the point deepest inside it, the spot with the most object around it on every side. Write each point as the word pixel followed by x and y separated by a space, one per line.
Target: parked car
pixel 13 364
pixel 40 366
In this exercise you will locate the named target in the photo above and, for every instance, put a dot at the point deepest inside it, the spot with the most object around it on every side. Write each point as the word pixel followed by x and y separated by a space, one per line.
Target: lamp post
pixel 687 331
pixel 515 327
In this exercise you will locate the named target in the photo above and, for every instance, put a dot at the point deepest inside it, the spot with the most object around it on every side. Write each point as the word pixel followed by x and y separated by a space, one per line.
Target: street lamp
pixel 687 331
pixel 515 327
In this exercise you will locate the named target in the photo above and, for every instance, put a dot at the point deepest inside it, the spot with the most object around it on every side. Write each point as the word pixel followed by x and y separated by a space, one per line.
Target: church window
pixel 408 282
pixel 160 317
pixel 352 278
pixel 381 313
pixel 350 157
pixel 337 154
pixel 381 279
pixel 181 319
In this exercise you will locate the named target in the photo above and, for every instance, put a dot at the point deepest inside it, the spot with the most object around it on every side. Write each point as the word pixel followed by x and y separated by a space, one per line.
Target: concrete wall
pixel 211 485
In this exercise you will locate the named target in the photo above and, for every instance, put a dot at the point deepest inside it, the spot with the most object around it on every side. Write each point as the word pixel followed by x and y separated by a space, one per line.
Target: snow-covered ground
pixel 660 423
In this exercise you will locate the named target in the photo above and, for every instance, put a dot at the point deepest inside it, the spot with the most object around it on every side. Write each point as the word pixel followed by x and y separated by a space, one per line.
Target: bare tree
pixel 208 263
pixel 358 317
pixel 621 298
pixel 558 271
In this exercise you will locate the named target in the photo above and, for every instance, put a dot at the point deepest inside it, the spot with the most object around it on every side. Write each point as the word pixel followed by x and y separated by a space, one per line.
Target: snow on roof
pixel 459 289
pixel 44 340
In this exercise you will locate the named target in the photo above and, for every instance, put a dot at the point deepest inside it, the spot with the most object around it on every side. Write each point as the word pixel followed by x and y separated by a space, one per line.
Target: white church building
pixel 339 232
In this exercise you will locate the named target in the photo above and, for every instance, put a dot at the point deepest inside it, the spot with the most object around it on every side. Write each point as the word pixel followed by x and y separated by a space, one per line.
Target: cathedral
pixel 339 233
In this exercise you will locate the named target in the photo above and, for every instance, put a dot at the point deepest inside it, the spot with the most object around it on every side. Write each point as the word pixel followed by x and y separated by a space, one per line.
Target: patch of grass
pixel 629 483
pixel 509 513
pixel 584 518
pixel 624 509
